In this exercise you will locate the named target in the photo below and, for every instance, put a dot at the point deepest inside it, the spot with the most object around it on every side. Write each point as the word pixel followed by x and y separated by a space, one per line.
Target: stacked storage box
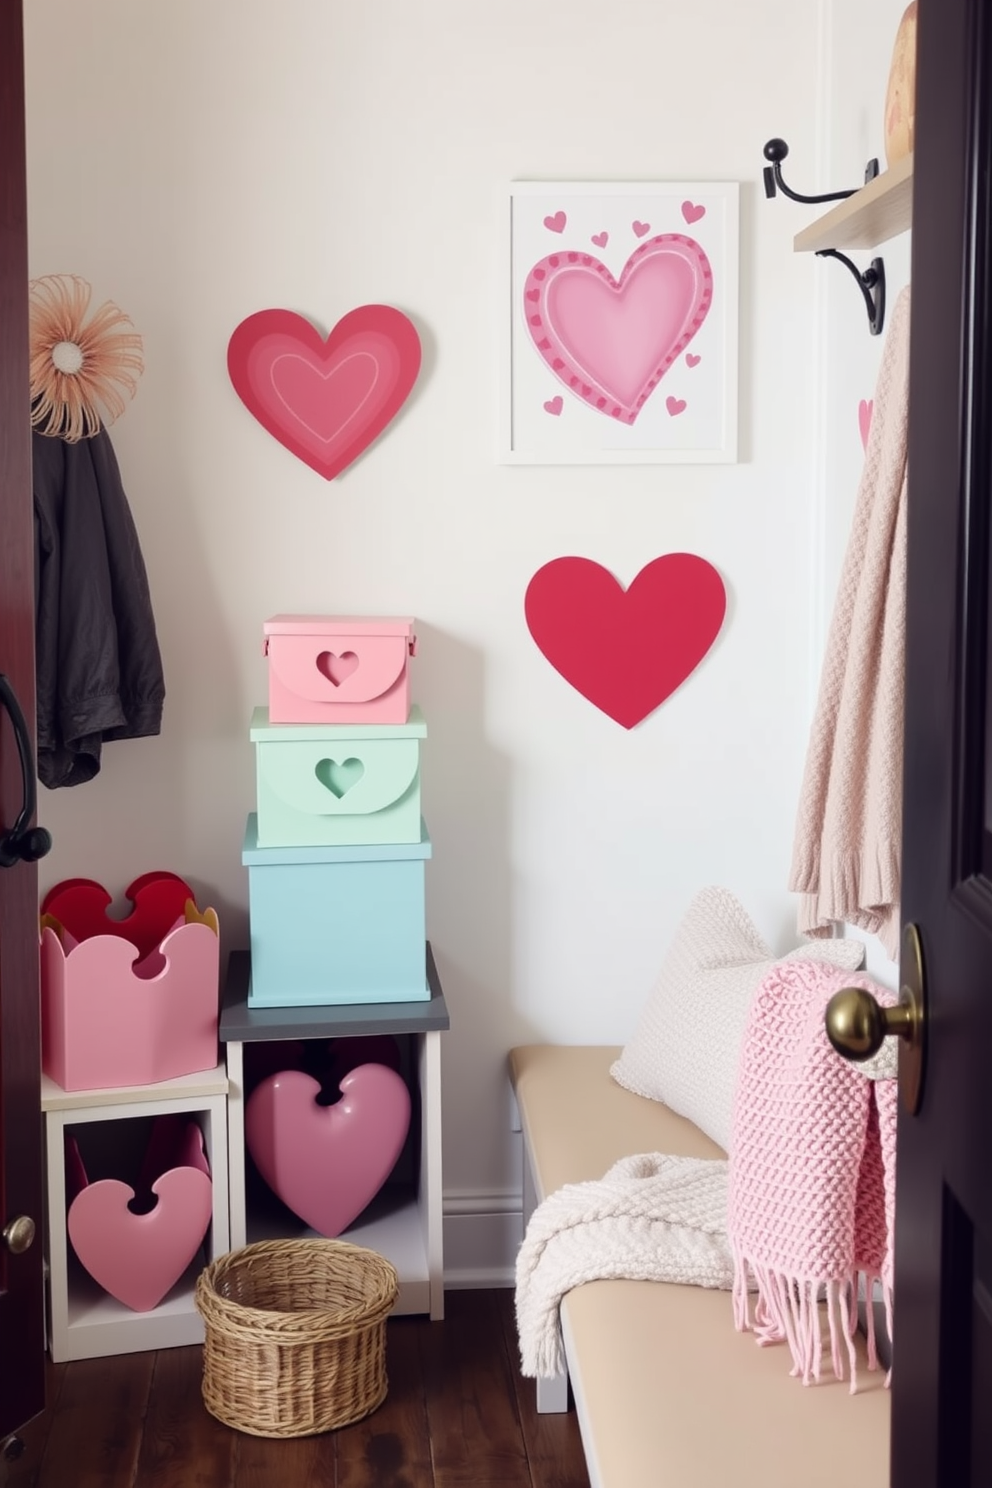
pixel 336 848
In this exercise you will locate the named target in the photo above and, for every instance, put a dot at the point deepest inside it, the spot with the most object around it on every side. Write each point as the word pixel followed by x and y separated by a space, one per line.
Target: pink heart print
pixel 555 405
pixel 865 410
pixel 640 228
pixel 601 239
pixel 556 223
pixel 691 212
pixel 675 406
pixel 691 360
pixel 610 341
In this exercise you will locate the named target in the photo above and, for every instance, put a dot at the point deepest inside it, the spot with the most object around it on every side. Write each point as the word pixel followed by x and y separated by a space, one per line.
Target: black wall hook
pixel 871 283
pixel 776 150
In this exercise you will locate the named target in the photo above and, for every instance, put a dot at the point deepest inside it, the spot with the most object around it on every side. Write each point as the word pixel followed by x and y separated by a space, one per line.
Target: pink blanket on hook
pixel 812 1174
pixel 848 839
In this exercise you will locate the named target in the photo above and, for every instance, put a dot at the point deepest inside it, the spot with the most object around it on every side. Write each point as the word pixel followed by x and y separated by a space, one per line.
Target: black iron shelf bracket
pixel 871 281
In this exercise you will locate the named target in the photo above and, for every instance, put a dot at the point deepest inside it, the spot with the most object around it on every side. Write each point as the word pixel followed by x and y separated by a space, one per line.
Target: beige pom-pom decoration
pixel 82 372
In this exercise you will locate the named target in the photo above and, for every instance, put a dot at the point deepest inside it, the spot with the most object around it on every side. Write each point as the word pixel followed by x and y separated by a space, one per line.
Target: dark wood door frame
pixel 22 1387
pixel 942 1434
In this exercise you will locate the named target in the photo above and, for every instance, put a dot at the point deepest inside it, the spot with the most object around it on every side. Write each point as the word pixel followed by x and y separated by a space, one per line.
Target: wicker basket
pixel 295 1335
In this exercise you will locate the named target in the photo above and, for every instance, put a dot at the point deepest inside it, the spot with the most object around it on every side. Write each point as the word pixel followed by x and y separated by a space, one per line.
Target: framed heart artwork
pixel 620 323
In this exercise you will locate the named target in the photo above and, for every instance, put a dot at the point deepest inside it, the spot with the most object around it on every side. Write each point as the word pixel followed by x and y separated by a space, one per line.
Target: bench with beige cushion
pixel 667 1393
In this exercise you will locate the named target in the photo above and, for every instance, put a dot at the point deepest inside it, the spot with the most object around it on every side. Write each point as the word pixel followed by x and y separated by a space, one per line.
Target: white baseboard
pixel 482 1234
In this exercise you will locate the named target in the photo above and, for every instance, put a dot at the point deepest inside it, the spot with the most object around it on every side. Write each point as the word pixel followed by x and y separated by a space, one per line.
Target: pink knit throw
pixel 848 841
pixel 812 1174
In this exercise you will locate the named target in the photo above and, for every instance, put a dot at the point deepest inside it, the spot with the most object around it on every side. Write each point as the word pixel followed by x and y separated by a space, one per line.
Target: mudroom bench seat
pixel 667 1393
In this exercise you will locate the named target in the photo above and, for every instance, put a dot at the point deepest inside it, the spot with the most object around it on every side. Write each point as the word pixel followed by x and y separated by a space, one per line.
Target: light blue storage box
pixel 326 783
pixel 334 925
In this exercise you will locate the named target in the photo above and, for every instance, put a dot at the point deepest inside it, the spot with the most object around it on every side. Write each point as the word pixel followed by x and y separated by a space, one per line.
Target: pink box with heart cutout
pixel 339 669
pixel 129 1001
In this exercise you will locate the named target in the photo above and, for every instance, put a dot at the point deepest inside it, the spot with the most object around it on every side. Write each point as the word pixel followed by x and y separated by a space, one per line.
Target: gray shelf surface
pixel 240 1023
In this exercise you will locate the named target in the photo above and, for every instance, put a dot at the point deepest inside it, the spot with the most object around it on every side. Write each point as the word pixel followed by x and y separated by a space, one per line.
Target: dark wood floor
pixel 458 1415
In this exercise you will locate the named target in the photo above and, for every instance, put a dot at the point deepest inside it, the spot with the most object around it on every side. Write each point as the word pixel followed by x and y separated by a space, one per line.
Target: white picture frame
pixel 620 323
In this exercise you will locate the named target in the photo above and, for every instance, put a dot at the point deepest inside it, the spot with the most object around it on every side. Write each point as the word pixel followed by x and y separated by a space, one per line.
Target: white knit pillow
pixel 685 1047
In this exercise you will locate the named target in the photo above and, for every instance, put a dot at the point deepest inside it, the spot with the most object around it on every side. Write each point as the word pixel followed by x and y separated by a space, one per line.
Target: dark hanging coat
pixel 99 668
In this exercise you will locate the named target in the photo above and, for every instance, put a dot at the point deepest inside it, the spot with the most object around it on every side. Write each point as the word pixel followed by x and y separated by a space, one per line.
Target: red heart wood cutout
pixel 626 650
pixel 325 400
pixel 158 901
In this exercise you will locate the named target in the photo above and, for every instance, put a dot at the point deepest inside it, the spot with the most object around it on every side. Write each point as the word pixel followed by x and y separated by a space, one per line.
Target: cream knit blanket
pixel 653 1217
pixel 848 839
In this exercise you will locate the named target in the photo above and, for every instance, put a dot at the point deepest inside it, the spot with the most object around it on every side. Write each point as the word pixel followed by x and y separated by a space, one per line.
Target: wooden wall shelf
pixel 879 211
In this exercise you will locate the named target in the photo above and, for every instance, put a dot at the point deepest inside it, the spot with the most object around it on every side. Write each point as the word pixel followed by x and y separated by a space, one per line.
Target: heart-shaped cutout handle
pixel 339 778
pixel 337 669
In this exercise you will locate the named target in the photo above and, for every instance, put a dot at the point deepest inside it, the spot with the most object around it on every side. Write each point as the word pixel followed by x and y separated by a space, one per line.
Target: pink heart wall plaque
pixel 626 650
pixel 138 1258
pixel 326 400
pixel 327 1162
pixel 610 341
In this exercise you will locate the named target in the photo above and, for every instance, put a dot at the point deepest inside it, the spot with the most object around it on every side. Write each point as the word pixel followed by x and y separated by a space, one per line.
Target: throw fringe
pixel 791 1311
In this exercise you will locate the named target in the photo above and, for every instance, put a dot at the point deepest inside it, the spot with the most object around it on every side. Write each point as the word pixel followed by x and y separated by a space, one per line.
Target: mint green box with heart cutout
pixel 326 785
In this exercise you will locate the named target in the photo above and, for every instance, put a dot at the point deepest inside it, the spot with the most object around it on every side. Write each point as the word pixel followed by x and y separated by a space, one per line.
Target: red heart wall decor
pixel 326 400
pixel 626 650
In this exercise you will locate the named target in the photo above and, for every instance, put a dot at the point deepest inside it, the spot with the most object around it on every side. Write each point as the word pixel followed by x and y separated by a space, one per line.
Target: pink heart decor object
pixel 138 1258
pixel 556 223
pixel 691 212
pixel 691 360
pixel 610 341
pixel 327 1162
pixel 554 405
pixel 626 650
pixel 640 228
pixel 326 400
pixel 865 410
pixel 601 239
pixel 675 406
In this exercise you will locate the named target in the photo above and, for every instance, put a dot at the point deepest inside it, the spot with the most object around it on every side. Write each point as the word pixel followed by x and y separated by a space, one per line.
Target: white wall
pixel 200 161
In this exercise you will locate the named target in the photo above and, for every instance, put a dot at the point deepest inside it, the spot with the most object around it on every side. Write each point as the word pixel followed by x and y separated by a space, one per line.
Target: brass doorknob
pixel 857 1025
pixel 18 1234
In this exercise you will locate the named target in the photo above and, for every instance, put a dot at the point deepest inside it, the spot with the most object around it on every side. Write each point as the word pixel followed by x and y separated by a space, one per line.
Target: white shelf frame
pixel 406 1229
pixel 85 1322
